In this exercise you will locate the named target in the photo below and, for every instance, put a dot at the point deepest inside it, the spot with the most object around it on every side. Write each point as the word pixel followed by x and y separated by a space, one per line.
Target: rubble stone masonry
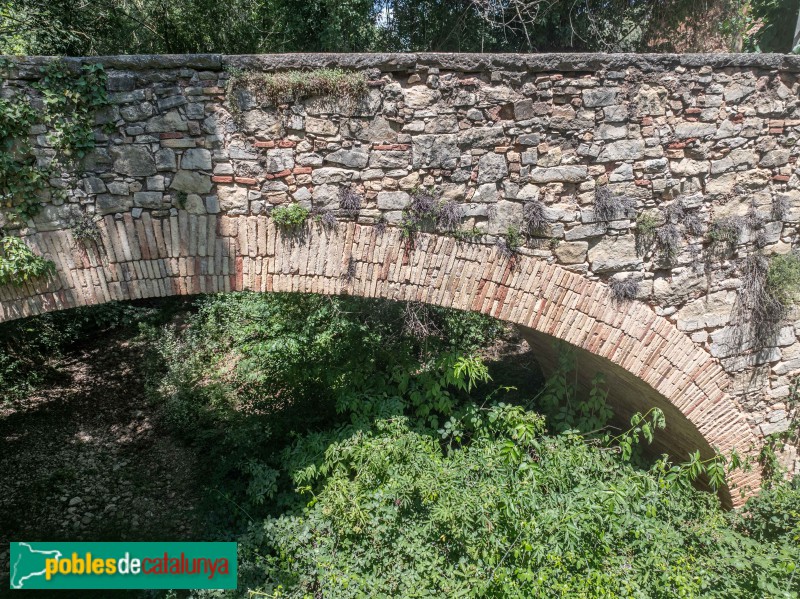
pixel 185 185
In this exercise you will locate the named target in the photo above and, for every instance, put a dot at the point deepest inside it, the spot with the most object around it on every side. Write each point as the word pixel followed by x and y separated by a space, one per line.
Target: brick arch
pixel 649 361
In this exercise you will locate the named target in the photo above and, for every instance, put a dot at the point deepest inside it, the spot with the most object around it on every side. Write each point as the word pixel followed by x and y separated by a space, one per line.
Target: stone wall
pixel 692 140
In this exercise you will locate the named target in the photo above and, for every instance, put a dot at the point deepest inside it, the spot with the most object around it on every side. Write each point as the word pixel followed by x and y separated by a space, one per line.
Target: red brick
pixel 222 179
pixel 302 170
pixel 286 143
pixel 245 180
pixel 264 144
pixel 643 182
pixel 780 178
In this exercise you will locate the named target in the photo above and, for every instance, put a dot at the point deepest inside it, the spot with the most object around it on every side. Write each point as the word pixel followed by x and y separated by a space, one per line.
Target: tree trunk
pixel 796 41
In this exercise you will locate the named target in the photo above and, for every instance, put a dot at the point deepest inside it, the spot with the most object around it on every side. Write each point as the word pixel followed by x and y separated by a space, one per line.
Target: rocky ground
pixel 86 459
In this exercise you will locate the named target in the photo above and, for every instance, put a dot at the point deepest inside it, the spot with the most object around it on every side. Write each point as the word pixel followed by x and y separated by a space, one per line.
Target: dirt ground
pixel 85 459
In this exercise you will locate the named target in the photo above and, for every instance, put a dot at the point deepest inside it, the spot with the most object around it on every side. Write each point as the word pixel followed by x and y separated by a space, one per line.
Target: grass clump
pixel 534 218
pixel 290 218
pixel 724 232
pixel 624 290
pixel 291 86
pixel 608 207
pixel 349 201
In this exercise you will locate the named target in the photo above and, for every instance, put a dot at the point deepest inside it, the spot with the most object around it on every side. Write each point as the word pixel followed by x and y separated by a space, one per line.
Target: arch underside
pixel 647 361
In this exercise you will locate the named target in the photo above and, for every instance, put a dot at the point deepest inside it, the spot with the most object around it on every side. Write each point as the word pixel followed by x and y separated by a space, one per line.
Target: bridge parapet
pixel 665 172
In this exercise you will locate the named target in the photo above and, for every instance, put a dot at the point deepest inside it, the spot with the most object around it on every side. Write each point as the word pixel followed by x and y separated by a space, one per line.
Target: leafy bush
pixel 490 506
pixel 290 218
pixel 368 466
pixel 783 278
pixel 18 262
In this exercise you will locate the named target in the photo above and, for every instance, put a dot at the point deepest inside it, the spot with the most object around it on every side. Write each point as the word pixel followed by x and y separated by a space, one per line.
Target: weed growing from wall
pixel 534 220
pixel 85 230
pixel 723 234
pixel 272 89
pixel 624 289
pixel 291 218
pixel 608 207
pixel 449 216
pixel 349 201
pixel 770 289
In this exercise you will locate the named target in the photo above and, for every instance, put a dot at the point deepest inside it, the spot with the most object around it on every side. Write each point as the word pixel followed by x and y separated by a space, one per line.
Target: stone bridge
pixel 607 201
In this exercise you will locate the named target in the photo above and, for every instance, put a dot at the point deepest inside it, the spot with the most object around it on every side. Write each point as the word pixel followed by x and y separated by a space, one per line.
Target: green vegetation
pixel 783 278
pixel 69 99
pixel 359 448
pixel 290 218
pixel 62 27
pixel 85 230
pixel 272 89
pixel 18 262
pixel 360 451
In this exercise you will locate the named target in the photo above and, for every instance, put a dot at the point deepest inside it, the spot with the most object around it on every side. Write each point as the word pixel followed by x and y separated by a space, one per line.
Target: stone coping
pixel 468 63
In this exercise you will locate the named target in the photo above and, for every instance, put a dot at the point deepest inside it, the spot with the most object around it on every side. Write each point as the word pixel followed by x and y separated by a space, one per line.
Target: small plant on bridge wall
pixel 534 219
pixel 509 245
pixel 381 224
pixel 18 262
pixel 85 230
pixel 608 207
pixel 291 218
pixel 349 201
pixel 770 288
pixel 272 89
pixel 624 289
pixel 70 99
pixel 422 213
pixel 724 233
pixel 780 207
pixel 449 216
pixel 326 218
pixel 645 230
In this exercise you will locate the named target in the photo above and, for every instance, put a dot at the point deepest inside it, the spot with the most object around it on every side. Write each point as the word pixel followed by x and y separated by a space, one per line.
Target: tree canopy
pixel 97 27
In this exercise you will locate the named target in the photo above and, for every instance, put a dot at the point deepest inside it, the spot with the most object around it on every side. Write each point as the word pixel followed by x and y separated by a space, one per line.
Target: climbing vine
pixel 63 103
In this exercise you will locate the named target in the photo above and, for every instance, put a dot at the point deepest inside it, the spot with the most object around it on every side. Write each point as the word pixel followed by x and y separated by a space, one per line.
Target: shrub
pixel 783 278
pixel 290 218
pixel 18 262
